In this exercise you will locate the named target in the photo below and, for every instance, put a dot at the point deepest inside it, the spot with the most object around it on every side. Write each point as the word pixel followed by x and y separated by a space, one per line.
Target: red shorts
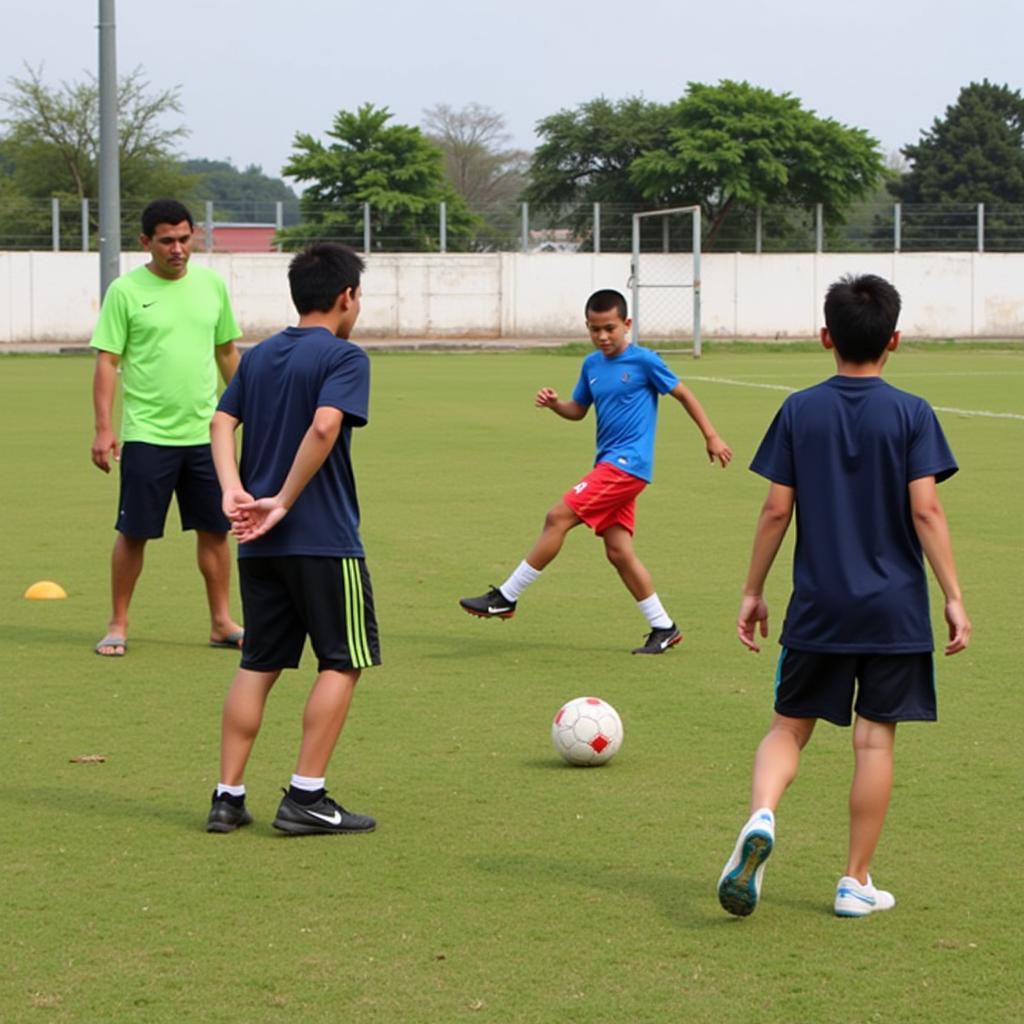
pixel 606 497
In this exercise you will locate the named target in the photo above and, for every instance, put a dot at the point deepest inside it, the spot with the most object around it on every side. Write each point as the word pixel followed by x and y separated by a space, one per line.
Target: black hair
pixel 861 314
pixel 604 301
pixel 320 273
pixel 164 211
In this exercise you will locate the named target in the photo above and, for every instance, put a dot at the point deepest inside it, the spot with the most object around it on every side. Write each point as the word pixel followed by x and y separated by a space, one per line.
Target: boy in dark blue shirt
pixel 301 562
pixel 623 382
pixel 860 461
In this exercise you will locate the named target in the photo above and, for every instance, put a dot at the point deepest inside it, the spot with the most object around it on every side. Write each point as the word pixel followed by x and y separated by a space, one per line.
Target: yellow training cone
pixel 45 590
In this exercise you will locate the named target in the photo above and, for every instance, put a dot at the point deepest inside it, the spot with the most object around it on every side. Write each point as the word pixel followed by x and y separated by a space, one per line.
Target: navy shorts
pixel 287 598
pixel 888 687
pixel 151 473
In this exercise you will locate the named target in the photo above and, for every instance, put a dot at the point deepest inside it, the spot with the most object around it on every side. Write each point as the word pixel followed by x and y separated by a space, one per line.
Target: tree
pixel 52 141
pixel 734 146
pixel 393 167
pixel 241 196
pixel 974 154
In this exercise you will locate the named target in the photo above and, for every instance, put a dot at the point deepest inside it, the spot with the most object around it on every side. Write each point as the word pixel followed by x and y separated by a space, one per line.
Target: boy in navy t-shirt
pixel 294 511
pixel 623 382
pixel 859 460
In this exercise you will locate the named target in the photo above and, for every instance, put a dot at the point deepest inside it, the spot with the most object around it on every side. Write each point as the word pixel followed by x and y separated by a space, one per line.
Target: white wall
pixel 52 297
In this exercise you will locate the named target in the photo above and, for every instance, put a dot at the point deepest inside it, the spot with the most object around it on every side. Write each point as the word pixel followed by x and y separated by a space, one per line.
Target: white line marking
pixel 782 387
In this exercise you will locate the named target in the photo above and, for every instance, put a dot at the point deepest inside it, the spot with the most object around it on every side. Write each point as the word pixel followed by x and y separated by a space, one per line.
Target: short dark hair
pixel 604 301
pixel 320 273
pixel 861 314
pixel 164 211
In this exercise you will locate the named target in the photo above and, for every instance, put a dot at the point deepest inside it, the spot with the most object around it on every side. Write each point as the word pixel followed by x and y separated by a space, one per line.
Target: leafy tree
pixel 241 196
pixel 24 223
pixel 974 154
pixel 393 167
pixel 734 146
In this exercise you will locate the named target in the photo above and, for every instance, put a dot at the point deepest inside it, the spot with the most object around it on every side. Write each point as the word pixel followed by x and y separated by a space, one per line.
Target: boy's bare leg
pixel 618 546
pixel 557 523
pixel 243 713
pixel 214 558
pixel 125 568
pixel 873 746
pixel 777 759
pixel 323 719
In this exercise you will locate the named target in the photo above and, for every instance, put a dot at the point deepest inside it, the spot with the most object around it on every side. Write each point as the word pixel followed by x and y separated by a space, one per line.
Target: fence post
pixel 664 235
pixel 209 225
pixel 55 222
pixel 897 227
pixel 443 213
pixel 758 231
pixel 819 234
pixel 366 228
pixel 278 219
pixel 526 227
pixel 85 225
pixel 597 227
pixel 981 227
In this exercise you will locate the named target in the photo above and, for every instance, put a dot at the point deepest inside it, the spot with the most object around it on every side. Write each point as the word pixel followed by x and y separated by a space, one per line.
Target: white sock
pixel 230 790
pixel 654 612
pixel 308 783
pixel 524 575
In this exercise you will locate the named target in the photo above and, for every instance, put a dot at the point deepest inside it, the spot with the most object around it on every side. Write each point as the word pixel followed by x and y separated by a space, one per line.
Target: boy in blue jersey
pixel 623 382
pixel 859 460
pixel 301 563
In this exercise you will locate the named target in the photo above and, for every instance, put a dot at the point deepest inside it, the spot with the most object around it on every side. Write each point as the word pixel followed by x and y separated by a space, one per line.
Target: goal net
pixel 665 276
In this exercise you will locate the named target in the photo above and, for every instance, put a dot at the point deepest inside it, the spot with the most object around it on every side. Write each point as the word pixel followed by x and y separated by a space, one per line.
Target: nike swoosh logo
pixel 146 305
pixel 593 380
pixel 331 819
pixel 494 611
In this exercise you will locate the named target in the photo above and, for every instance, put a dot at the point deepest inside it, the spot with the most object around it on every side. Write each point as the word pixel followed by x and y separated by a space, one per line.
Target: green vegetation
pixel 501 885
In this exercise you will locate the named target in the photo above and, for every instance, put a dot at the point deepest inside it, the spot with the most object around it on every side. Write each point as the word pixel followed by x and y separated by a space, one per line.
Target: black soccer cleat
pixel 325 817
pixel 660 640
pixel 227 814
pixel 492 605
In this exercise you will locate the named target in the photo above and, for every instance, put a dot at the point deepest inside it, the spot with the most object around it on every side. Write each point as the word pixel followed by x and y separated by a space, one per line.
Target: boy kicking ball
pixel 623 382
pixel 859 460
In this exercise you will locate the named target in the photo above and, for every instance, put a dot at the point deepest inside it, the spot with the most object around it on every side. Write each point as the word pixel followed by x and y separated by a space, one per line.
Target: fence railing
pixel 63 225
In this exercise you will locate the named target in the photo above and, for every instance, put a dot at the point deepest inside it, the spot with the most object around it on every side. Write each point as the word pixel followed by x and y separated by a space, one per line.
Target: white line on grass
pixel 783 387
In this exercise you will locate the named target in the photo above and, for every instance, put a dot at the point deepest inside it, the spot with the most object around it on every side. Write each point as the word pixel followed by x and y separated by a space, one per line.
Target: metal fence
pixel 65 225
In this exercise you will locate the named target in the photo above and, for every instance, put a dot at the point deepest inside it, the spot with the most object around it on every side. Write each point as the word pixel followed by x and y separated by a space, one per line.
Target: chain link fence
pixel 71 225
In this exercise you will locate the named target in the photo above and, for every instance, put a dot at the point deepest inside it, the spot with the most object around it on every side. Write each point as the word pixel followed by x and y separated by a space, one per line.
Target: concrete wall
pixel 52 297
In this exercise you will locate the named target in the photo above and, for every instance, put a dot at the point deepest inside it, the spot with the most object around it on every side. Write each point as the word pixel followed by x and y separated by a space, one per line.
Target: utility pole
pixel 110 175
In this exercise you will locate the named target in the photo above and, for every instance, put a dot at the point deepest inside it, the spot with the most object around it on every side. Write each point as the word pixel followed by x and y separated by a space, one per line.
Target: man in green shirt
pixel 167 328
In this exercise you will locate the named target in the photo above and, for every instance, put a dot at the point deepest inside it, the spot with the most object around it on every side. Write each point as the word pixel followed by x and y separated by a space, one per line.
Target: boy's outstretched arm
pixel 933 532
pixel 772 524
pixel 716 446
pixel 257 517
pixel 547 398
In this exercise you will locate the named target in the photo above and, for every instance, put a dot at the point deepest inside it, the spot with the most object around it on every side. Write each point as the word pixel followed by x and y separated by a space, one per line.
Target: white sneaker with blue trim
pixel 856 900
pixel 739 886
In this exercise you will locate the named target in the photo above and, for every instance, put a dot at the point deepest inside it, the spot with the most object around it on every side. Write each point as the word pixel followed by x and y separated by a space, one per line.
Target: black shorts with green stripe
pixel 287 598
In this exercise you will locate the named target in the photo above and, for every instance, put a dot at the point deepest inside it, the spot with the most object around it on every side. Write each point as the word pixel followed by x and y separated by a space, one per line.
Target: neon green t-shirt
pixel 165 333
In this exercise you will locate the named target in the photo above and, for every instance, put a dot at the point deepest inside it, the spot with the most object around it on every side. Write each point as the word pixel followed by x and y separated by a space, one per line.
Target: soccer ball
pixel 587 731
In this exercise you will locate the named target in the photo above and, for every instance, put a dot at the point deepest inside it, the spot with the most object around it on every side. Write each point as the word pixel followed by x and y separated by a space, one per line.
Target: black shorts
pixel 151 473
pixel 287 598
pixel 889 687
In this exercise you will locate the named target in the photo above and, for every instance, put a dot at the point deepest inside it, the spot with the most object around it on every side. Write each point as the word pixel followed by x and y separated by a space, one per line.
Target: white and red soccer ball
pixel 587 731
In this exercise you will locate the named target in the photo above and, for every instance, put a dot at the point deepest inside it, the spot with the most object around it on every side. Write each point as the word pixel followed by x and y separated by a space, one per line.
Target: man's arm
pixel 104 384
pixel 772 524
pixel 933 531
pixel 547 398
pixel 257 517
pixel 715 445
pixel 227 356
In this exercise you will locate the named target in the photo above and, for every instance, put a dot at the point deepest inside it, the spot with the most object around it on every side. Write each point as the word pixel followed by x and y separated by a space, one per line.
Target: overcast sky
pixel 253 72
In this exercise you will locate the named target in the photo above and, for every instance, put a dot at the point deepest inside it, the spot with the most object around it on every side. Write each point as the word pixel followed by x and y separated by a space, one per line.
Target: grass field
pixel 501 885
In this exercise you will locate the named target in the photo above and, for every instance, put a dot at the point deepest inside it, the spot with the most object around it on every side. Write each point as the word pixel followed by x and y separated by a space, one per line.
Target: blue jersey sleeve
pixel 663 380
pixel 929 454
pixel 231 401
pixel 582 394
pixel 774 457
pixel 347 386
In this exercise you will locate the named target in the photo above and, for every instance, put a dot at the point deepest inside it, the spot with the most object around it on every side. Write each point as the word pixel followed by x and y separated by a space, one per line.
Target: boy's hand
pixel 718 449
pixel 753 610
pixel 255 518
pixel 959 627
pixel 231 499
pixel 546 397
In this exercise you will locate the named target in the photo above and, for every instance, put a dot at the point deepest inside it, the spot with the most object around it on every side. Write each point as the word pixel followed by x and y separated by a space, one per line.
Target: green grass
pixel 501 885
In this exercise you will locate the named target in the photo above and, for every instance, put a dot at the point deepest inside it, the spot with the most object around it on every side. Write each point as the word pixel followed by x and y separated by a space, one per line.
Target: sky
pixel 253 72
